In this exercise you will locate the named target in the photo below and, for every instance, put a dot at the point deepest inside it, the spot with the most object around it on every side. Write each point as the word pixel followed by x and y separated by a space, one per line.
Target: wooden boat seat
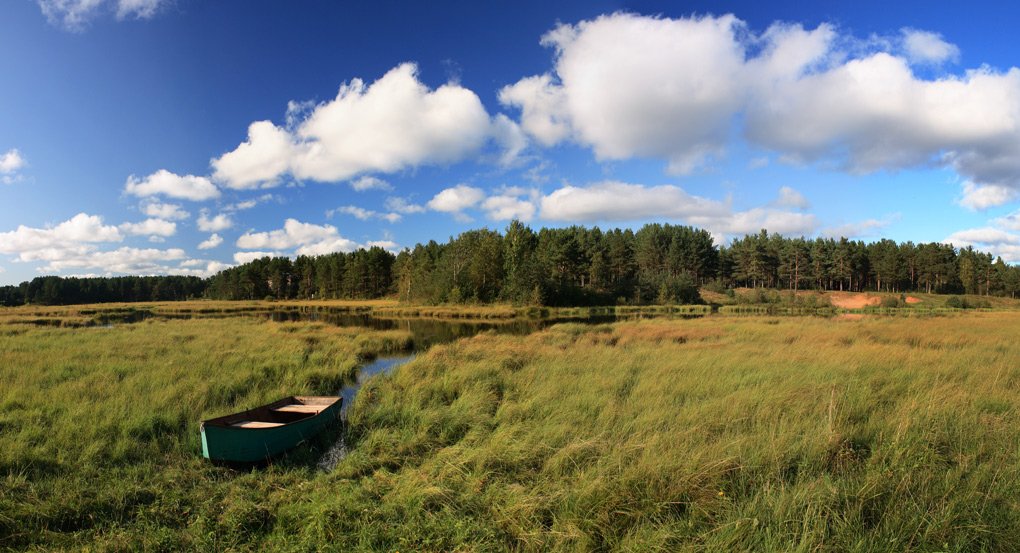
pixel 298 408
pixel 256 424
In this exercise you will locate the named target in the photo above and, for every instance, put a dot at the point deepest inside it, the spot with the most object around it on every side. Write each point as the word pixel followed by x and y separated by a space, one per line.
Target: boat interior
pixel 278 413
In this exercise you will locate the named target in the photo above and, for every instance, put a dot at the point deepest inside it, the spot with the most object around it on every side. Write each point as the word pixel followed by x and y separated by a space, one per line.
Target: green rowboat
pixel 264 432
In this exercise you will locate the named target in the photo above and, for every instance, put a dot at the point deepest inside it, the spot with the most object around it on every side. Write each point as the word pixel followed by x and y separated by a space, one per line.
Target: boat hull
pixel 252 445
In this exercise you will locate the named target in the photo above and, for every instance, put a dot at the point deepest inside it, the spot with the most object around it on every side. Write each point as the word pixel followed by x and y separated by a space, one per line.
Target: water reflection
pixel 426 333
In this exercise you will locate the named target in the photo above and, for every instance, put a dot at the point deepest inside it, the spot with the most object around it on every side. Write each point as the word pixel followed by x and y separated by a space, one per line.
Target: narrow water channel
pixel 338 450
pixel 366 371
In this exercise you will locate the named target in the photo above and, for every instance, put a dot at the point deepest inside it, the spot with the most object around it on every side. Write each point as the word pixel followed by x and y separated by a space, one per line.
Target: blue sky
pixel 183 136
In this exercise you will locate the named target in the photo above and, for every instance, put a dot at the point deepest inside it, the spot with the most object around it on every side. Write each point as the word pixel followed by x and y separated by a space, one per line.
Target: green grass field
pixel 713 434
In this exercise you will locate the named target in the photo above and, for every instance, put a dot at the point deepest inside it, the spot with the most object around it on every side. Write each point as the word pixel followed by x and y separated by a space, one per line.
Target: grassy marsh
pixel 742 302
pixel 703 435
pixel 99 426
pixel 735 434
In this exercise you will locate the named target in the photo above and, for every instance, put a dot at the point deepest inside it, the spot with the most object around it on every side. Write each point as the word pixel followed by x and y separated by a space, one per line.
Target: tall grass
pixel 99 434
pixel 712 434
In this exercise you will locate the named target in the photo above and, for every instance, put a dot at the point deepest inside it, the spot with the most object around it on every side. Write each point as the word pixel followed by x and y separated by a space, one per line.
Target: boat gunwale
pixel 260 413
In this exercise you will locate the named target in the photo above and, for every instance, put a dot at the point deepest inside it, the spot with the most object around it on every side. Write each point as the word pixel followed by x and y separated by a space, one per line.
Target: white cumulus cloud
pixel 984 235
pixel 751 221
pixel 511 139
pixel 788 197
pixel 159 210
pixel 186 187
pixel 258 162
pixel 364 214
pixel 248 204
pixel 74 244
pixel 296 238
pixel 1011 221
pixel 869 113
pixel 543 108
pixel 504 207
pixel 928 47
pixel 981 197
pixel 992 240
pixel 80 229
pixel 456 198
pixel 218 222
pixel 204 268
pixel 631 86
pixel 395 123
pixel 211 242
pixel 403 205
pixel 293 234
pixel 150 227
pixel 11 161
pixel 122 260
pixel 619 201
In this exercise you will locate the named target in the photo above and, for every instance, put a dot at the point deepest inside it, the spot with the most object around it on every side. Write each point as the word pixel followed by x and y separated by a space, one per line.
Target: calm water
pixel 426 332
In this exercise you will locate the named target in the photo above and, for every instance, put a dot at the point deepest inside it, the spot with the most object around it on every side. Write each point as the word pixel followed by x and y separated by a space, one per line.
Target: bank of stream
pixel 425 333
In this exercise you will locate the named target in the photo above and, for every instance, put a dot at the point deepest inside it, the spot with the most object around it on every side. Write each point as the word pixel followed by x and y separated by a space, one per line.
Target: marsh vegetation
pixel 718 433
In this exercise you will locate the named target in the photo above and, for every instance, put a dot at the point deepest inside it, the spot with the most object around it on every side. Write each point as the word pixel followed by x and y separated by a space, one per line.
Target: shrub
pixel 456 296
pixel 679 290
pixel 717 286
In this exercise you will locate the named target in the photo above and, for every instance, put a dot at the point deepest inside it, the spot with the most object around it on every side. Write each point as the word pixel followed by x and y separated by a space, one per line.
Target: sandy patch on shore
pixel 912 300
pixel 846 300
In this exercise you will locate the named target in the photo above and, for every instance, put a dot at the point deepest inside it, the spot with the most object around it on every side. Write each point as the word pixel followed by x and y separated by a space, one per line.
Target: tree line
pixel 773 261
pixel 360 274
pixel 53 290
pixel 659 263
